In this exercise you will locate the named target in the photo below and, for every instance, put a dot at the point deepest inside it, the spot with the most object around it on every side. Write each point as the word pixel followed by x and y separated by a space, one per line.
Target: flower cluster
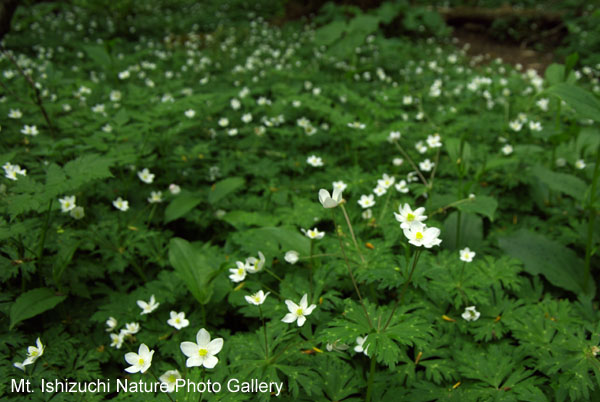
pixel 252 265
pixel 417 233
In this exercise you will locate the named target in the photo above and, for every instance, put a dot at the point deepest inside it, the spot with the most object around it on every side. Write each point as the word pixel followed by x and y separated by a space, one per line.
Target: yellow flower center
pixel 257 299
pixel 419 236
pixel 299 312
pixel 172 378
pixel 177 320
pixel 202 352
pixel 240 271
pixel 34 353
pixel 410 217
pixel 141 362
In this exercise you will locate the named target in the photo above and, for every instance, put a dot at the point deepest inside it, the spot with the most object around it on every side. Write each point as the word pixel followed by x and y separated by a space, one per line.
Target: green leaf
pixel 583 102
pixel 243 219
pixel 223 188
pixel 555 73
pixel 541 256
pixel 180 206
pixel 329 33
pixel 561 182
pixel 32 303
pixel 481 204
pixel 98 54
pixel 193 268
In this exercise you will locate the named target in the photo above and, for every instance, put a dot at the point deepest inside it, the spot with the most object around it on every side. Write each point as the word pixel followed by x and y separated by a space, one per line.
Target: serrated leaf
pixel 32 303
pixel 224 188
pixel 482 205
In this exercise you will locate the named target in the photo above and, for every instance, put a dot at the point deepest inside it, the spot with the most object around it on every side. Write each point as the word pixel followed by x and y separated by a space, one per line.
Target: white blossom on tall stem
pixel 298 312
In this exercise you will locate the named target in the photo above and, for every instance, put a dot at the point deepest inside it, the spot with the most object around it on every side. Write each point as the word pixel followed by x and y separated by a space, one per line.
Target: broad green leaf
pixel 542 256
pixel 471 231
pixel 273 240
pixel 583 102
pixel 562 182
pixel 181 205
pixel 330 33
pixel 98 54
pixel 554 73
pixel 482 205
pixel 223 188
pixel 242 219
pixel 193 268
pixel 32 303
pixel 588 141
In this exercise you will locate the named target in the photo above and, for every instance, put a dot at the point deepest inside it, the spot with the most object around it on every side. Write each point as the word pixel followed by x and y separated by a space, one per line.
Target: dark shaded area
pixel 7 10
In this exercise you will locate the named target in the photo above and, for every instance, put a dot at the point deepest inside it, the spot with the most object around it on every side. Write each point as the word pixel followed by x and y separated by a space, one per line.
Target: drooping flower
pixel 170 378
pixel 111 324
pixel 174 189
pixel 471 314
pixel 298 311
pixel 291 256
pixel 328 200
pixel 140 361
pixel 34 352
pixel 407 217
pixel 257 298
pixel 254 265
pixel 202 353
pixel 178 320
pixel 466 254
pixel 149 307
pixel 360 343
pixel 238 274
pixel 420 235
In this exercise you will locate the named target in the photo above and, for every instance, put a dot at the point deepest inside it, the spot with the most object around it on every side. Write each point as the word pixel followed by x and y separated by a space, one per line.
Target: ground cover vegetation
pixel 201 195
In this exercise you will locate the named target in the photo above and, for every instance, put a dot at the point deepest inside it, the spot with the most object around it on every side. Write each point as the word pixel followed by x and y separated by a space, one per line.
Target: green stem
pixel 412 163
pixel 43 237
pixel 149 220
pixel 265 328
pixel 400 299
pixel 592 212
pixel 347 218
pixel 387 200
pixel 311 265
pixel 360 299
pixel 370 381
pixel 273 274
pixel 458 224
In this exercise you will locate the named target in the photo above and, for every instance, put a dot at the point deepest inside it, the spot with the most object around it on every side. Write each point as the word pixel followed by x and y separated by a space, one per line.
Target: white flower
pixel 223 122
pixel 386 181
pixel 360 343
pixel 434 141
pixel 407 217
pixel 202 353
pixel 140 361
pixel 298 311
pixel 174 189
pixel 247 118
pixel 291 256
pixel 466 254
pixel 149 307
pixel 420 235
pixel 535 126
pixel 20 365
pixel 99 108
pixel 507 149
pixel 123 75
pixel 420 147
pixel 394 136
pixel 238 274
pixel 366 201
pixel 407 100
pixel 115 96
pixel 426 165
pixel 34 352
pixel 580 164
pixel 402 186
pixel 313 233
pixel 398 161
pixel 116 340
pixel 178 320
pixel 155 197
pixel 111 324
pixel 339 185
pixel 379 191
pixel 515 125
pixel 170 378
pixel 329 201
pixel 121 204
pixel 235 104
pixel 257 298
pixel 254 265
pixel 315 161
pixel 15 114
pixel 30 130
pixel 131 328
pixel 67 203
pixel 337 345
pixel 471 314
pixel 357 125
pixel 232 132
pixel 77 213
pixel 190 113
pixel 146 176
pixel 367 214
pixel 542 104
